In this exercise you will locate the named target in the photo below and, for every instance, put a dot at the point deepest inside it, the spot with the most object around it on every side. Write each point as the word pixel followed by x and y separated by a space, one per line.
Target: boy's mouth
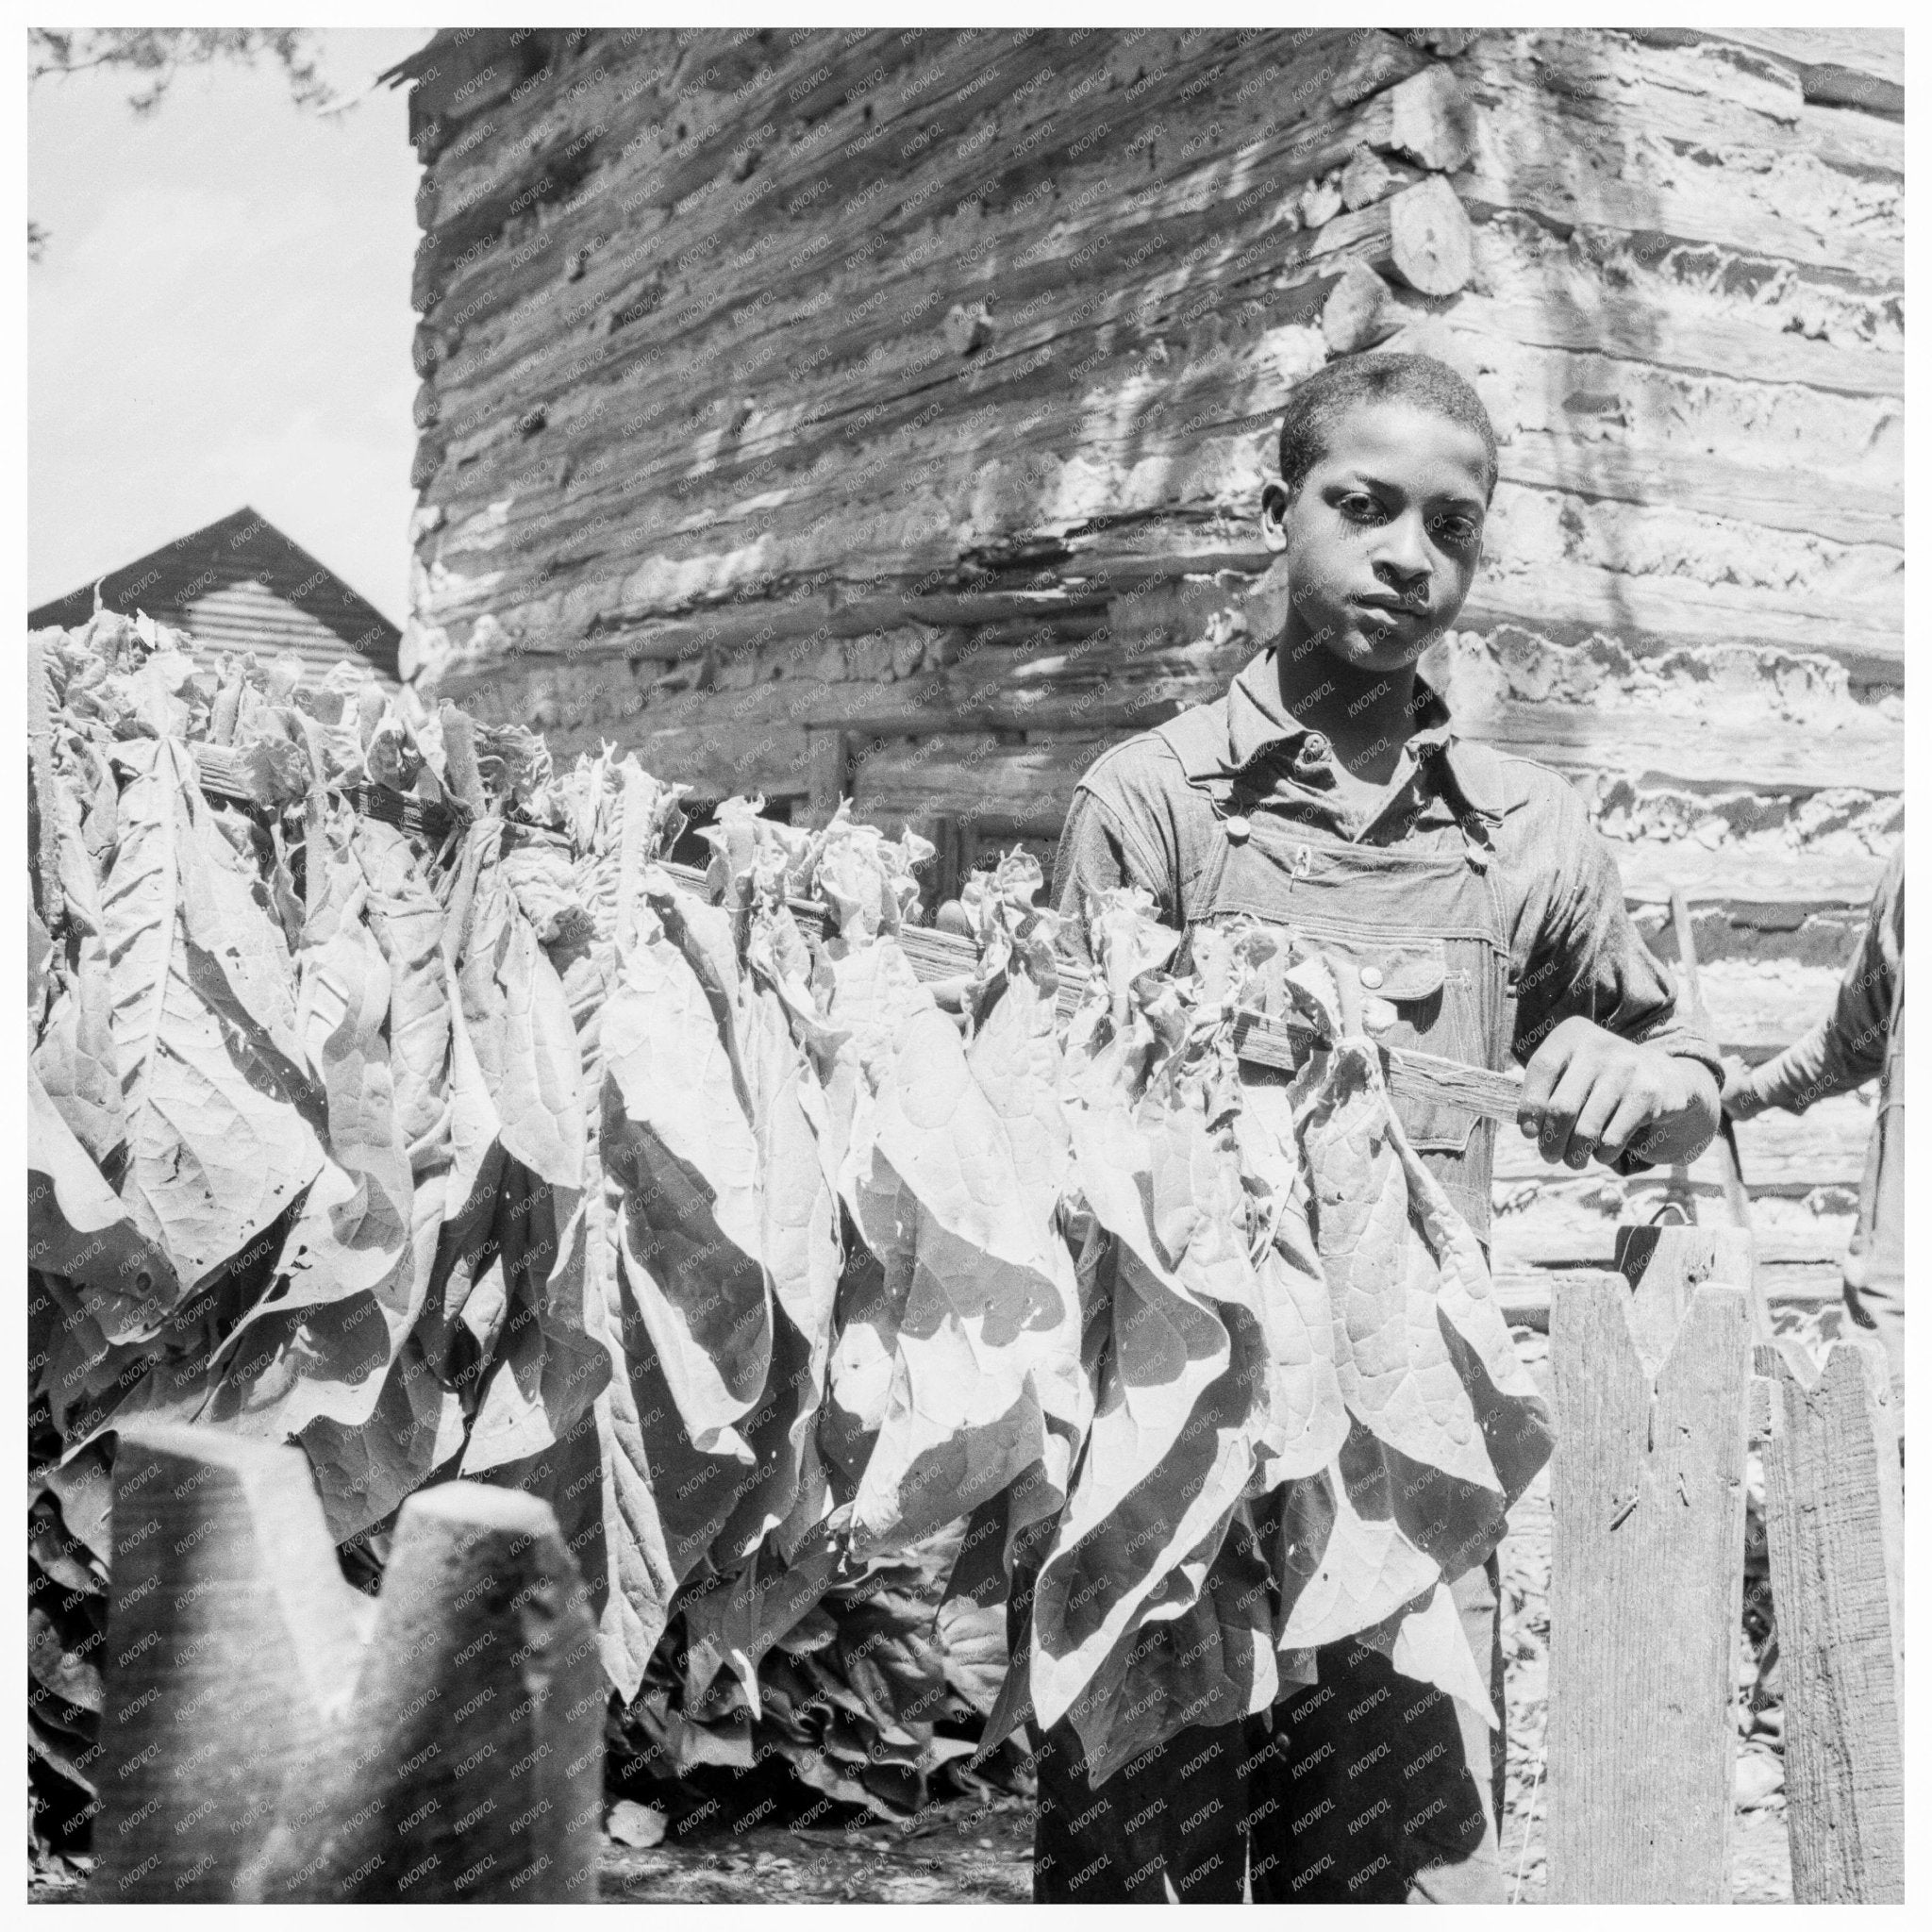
pixel 1391 607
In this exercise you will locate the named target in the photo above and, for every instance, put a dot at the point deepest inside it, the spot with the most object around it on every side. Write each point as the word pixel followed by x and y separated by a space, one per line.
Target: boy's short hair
pixel 1318 400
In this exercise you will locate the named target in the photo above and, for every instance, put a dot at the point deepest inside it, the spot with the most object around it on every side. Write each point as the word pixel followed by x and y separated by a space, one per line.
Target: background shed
pixel 241 585
pixel 886 412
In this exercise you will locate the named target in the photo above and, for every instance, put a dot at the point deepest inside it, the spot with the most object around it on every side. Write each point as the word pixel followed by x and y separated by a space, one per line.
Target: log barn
pixel 884 414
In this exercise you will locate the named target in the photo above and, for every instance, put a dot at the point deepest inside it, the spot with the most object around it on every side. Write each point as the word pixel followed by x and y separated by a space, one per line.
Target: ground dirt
pixel 963 1851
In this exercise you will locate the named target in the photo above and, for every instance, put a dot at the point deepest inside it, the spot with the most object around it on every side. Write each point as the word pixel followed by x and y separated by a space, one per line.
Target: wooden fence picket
pixel 1664 1264
pixel 1833 1511
pixel 1647 1538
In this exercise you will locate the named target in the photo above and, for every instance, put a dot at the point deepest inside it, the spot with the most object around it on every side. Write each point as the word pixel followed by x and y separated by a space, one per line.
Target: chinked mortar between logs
pixel 1261 1038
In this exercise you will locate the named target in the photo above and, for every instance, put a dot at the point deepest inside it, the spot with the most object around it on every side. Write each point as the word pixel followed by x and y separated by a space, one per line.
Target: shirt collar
pixel 1257 721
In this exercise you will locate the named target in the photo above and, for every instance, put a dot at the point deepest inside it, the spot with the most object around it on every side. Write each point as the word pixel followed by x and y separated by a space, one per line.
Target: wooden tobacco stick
pixel 225 773
pixel 1261 1040
pixel 1735 1197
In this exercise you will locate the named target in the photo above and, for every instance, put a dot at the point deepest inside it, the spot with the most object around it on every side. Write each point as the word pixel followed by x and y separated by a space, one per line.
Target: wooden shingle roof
pixel 237 585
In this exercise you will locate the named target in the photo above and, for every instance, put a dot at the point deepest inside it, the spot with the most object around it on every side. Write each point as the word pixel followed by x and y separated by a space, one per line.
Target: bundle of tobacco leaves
pixel 392 1096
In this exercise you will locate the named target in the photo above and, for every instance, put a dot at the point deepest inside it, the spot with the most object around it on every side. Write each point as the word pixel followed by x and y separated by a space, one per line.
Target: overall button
pixel 1371 978
pixel 1311 753
pixel 1236 826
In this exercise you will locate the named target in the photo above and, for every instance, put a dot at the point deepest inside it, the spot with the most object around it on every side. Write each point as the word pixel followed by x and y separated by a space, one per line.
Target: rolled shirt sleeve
pixel 1580 956
pixel 1847 1047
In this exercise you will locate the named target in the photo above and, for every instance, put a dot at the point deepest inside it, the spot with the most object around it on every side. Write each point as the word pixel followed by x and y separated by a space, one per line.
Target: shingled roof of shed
pixel 239 584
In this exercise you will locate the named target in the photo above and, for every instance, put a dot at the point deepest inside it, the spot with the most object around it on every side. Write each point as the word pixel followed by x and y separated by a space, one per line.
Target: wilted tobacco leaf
pixel 542 1370
pixel 219 1140
pixel 1393 1364
pixel 988 1341
pixel 685 1154
pixel 77 1226
pixel 74 1057
pixel 406 921
pixel 61 1556
pixel 973 1651
pixel 74 1678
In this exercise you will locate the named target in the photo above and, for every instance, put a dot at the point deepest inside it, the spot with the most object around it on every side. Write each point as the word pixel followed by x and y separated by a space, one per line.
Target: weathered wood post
pixel 270 1734
pixel 231 1634
pixel 1832 1511
pixel 828 772
pixel 1652 1391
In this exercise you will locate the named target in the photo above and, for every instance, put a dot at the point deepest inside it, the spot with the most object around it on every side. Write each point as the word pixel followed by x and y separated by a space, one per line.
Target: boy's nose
pixel 1405 554
pixel 1407 580
pixel 1404 565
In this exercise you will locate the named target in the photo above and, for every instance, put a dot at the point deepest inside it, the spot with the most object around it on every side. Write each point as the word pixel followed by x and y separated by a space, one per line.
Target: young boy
pixel 1330 792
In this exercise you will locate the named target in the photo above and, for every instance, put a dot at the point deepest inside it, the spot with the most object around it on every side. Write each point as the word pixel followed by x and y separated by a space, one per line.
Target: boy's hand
pixel 1586 1091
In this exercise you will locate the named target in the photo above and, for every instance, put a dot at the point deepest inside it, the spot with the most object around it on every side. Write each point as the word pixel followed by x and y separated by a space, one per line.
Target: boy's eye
pixel 1359 507
pixel 1456 533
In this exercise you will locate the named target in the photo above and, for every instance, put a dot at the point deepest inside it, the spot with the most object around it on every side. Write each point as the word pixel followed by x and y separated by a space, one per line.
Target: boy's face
pixel 1383 537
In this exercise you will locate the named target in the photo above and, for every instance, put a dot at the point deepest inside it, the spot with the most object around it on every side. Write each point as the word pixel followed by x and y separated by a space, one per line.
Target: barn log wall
pixel 886 412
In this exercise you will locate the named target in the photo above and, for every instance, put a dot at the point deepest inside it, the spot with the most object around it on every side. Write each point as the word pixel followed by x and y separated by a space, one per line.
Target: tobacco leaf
pixel 685 1154
pixel 74 1678
pixel 640 1579
pixel 1181 1409
pixel 988 1339
pixel 406 921
pixel 543 1371
pixel 1393 1367
pixel 364 1472
pixel 538 1100
pixel 1430 1645
pixel 218 1144
pixel 1210 1665
pixel 75 1056
pixel 79 1228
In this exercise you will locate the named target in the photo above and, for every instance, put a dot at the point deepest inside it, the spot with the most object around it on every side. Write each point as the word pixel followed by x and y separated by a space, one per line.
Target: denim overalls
pixel 1421 923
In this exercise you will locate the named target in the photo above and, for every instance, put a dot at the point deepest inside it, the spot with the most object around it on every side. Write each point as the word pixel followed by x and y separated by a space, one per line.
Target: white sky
pixel 222 316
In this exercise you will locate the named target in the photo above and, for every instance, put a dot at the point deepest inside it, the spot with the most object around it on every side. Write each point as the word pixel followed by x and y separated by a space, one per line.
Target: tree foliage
pixel 158 55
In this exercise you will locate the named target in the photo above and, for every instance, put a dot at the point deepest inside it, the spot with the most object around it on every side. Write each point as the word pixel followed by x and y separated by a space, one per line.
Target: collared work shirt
pixel 1572 947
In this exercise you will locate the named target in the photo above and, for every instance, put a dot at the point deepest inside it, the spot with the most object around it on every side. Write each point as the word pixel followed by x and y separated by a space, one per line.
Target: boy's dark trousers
pixel 1369 1789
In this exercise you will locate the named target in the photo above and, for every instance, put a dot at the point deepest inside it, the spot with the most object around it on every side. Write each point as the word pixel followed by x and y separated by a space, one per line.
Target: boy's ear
pixel 1275 504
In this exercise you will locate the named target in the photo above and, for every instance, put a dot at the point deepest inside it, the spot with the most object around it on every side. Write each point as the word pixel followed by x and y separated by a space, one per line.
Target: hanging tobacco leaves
pixel 390 1094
